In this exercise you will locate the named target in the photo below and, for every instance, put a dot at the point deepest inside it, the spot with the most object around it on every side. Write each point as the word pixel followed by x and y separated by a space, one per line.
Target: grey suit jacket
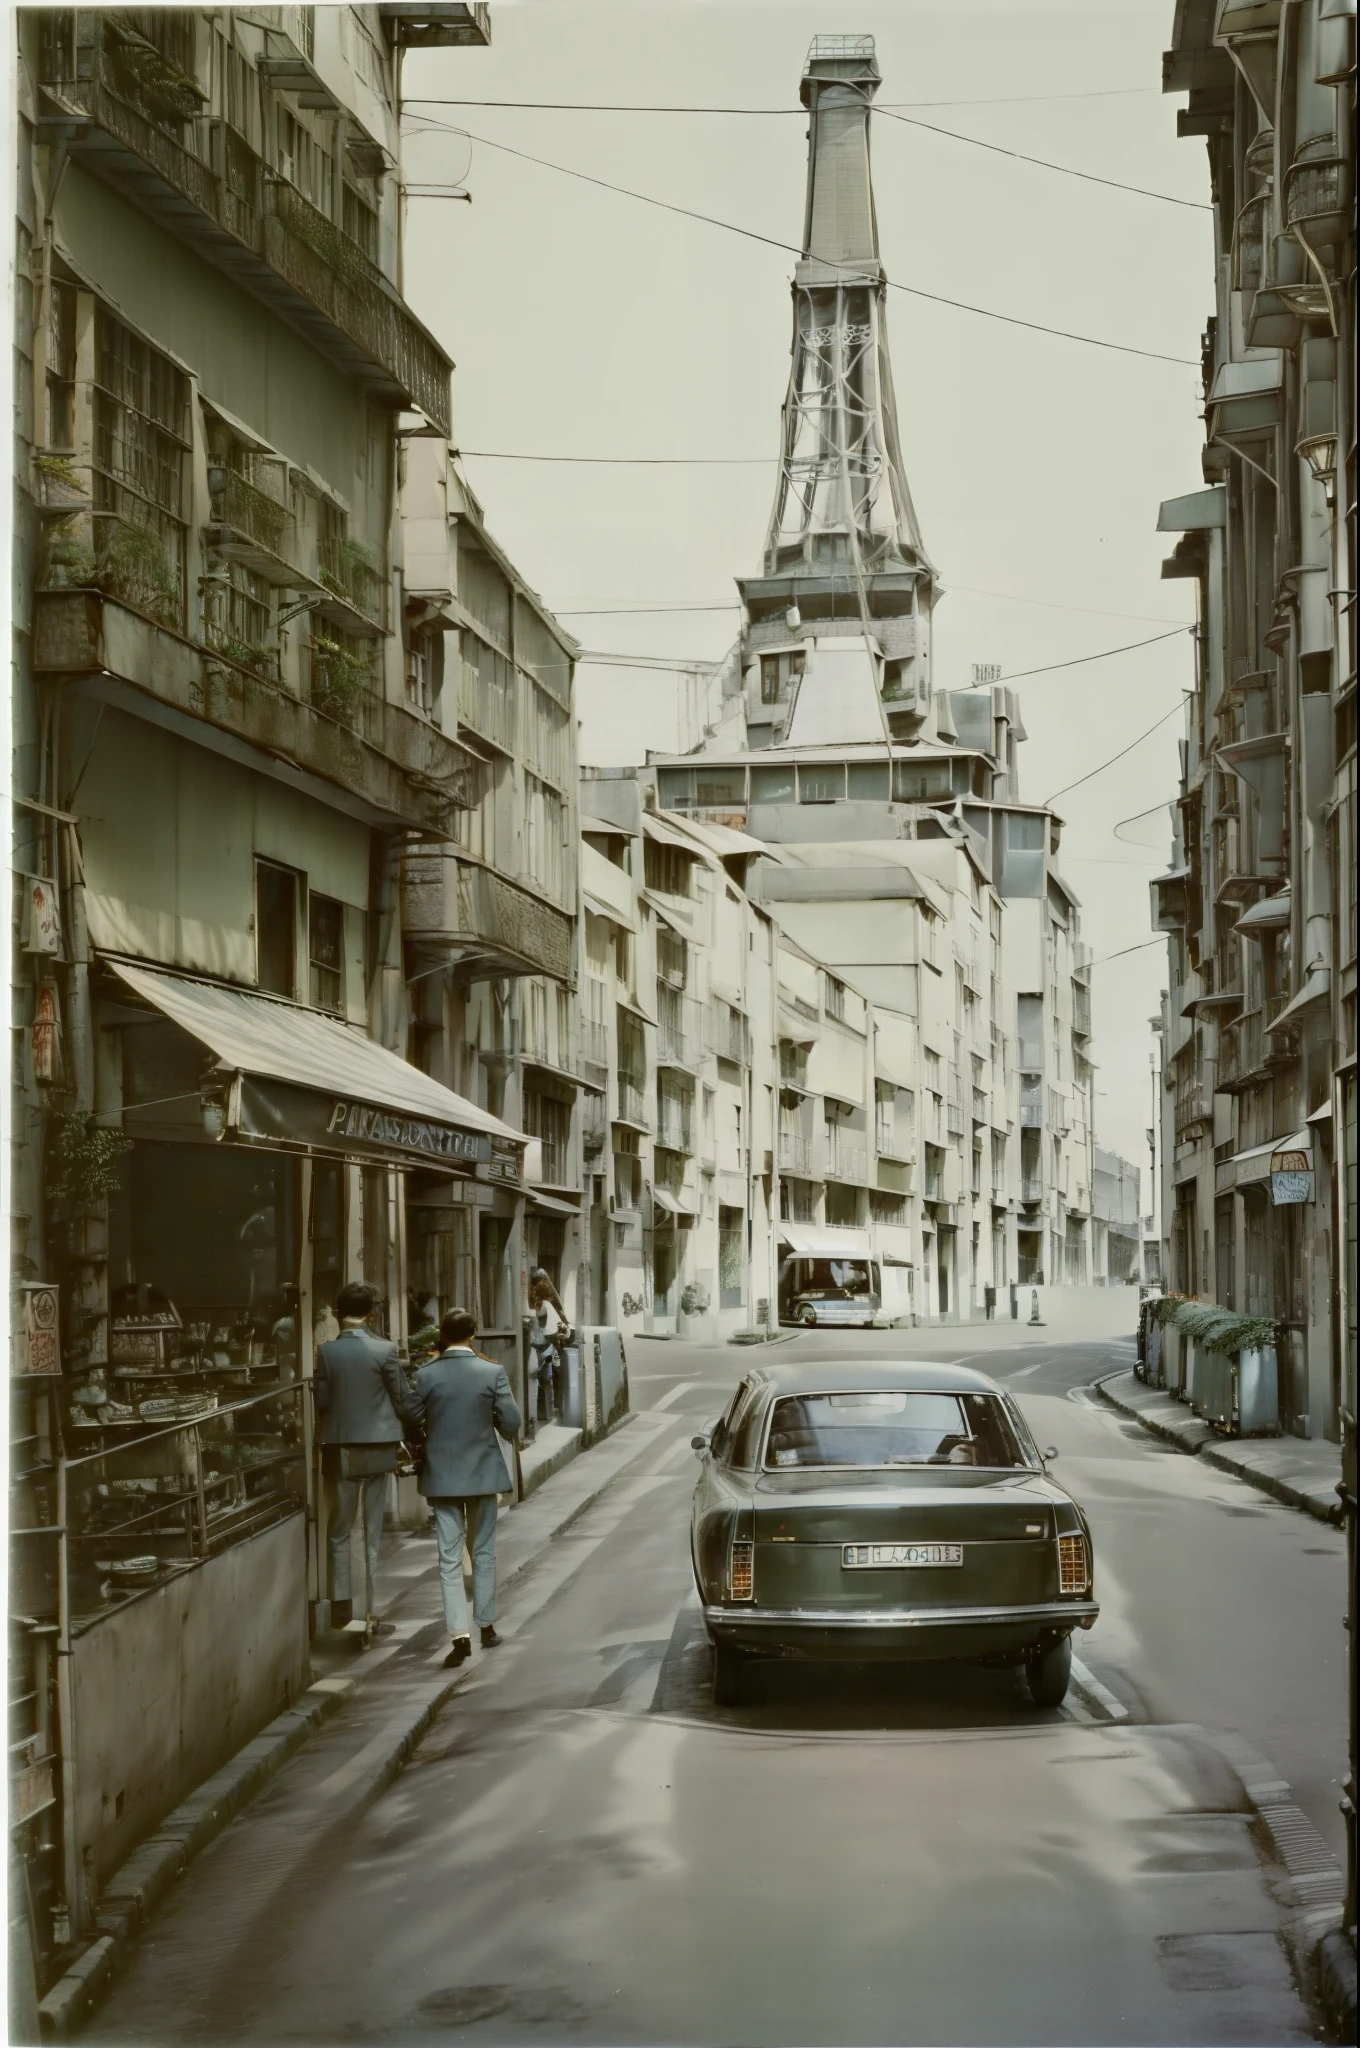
pixel 463 1400
pixel 360 1393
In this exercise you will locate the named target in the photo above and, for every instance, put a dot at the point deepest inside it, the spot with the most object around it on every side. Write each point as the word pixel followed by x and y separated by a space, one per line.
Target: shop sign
pixel 42 933
pixel 1291 1178
pixel 37 1353
pixel 331 1123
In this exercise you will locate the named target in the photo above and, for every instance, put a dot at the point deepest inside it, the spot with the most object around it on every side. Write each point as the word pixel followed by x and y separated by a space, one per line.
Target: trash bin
pixel 570 1409
pixel 989 1301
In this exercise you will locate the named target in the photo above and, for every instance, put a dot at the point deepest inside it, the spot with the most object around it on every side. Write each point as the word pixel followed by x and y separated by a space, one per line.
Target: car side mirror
pixel 1050 1454
pixel 700 1443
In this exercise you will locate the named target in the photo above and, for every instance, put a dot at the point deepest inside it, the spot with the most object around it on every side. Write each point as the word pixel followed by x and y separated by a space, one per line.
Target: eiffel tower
pixel 844 550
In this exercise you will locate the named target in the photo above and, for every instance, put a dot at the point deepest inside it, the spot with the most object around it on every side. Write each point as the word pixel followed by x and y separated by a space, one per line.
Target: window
pixel 141 440
pixel 276 911
pixel 304 163
pixel 550 1122
pixel 61 367
pixel 778 674
pixel 731 1256
pixel 544 828
pixel 887 1208
pixel 835 997
pixel 667 869
pixel 326 953
pixel 823 783
pixel 866 1430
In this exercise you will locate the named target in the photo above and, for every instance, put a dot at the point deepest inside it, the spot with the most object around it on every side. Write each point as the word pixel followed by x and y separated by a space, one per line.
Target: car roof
pixel 909 1375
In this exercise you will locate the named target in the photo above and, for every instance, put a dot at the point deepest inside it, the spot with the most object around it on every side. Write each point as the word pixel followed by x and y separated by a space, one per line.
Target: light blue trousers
pixel 472 1521
pixel 344 1499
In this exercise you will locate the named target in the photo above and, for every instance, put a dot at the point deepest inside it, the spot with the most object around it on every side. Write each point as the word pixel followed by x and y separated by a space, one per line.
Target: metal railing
pixel 1192 1106
pixel 673 1125
pixel 627 1181
pixel 487 707
pixel 795 1155
pixel 981 1106
pixel 633 1104
pixel 154 1500
pixel 728 1034
pixel 595 1041
pixel 845 1162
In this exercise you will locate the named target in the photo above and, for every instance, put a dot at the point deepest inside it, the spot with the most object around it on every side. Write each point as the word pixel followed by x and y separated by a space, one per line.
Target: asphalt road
pixel 584 1849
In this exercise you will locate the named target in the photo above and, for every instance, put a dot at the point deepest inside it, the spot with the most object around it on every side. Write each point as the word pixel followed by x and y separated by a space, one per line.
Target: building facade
pixel 1259 901
pixel 295 924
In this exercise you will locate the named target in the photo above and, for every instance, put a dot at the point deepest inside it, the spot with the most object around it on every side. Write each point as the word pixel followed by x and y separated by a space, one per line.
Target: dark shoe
pixel 459 1654
pixel 342 1613
pixel 489 1637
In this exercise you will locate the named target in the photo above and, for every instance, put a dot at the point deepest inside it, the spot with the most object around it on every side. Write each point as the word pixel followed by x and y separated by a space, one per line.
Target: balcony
pixel 728 1034
pixel 486 708
pixel 402 769
pixel 1032 1189
pixel 845 1162
pixel 1081 1010
pixel 437 24
pixel 1031 1103
pixel 673 1125
pixel 679 1029
pixel 1241 1052
pixel 252 521
pixel 954 1116
pixel 981 1106
pixel 263 234
pixel 795 1156
pixel 627 1181
pixel 1057 1112
pixel 1194 1106
pixel 348 573
pixel 633 1104
pixel 480 919
pixel 1030 1056
pixel 594 1041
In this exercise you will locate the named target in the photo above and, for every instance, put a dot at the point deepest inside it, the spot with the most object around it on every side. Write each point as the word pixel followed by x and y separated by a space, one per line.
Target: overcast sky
pixel 583 322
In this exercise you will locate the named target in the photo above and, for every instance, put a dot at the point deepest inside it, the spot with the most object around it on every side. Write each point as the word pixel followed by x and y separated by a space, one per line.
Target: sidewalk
pixel 1300 1471
pixel 356 1724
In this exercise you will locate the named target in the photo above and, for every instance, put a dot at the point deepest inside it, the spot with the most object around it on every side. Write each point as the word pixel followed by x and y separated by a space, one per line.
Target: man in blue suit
pixel 464 1400
pixel 360 1396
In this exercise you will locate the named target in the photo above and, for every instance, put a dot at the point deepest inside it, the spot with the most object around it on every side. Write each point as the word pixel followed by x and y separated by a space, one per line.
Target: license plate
pixel 887 1556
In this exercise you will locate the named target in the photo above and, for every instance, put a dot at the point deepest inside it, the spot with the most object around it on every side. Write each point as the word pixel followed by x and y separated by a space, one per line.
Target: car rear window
pixel 858 1430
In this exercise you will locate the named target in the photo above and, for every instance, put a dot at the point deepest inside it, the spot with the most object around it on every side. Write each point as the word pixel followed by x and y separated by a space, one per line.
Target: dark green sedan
pixel 868 1511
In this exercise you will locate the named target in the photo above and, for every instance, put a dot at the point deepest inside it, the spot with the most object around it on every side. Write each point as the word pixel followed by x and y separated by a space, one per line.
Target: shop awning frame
pixel 305 1081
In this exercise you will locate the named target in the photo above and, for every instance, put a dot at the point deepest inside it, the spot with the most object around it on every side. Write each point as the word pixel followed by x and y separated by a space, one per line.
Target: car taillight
pixel 742 1571
pixel 1074 1569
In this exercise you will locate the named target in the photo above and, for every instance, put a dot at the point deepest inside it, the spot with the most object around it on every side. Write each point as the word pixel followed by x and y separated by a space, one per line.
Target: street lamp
pixel 1319 452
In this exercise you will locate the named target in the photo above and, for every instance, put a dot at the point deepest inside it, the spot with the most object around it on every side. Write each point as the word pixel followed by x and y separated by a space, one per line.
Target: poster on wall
pixel 36 1353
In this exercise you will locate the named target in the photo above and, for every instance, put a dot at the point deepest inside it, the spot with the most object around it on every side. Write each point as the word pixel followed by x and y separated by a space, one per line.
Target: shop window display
pixel 190 1438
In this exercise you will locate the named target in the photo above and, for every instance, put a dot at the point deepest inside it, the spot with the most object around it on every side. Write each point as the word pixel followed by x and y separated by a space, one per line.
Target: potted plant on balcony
pixel 339 678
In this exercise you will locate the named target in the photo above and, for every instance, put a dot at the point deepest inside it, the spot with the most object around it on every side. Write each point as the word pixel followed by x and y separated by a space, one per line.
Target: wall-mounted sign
pixel 42 929
pixel 1290 1187
pixel 986 672
pixel 37 1350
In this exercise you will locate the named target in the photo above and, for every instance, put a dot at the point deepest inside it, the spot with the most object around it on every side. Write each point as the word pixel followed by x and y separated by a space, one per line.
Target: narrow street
pixel 584 1849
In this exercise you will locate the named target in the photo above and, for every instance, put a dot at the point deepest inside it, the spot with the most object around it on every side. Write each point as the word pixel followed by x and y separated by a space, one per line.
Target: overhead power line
pixel 1124 951
pixel 1044 164
pixel 897 112
pixel 638 107
pixel 1176 711
pixel 791 249
pixel 1052 667
pixel 625 461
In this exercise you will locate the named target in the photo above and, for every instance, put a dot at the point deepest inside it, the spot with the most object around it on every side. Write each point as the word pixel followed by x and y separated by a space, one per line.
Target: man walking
pixel 463 1400
pixel 360 1395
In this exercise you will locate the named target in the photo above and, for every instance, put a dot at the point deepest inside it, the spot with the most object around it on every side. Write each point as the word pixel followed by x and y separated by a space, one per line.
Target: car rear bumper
pixel 868 1634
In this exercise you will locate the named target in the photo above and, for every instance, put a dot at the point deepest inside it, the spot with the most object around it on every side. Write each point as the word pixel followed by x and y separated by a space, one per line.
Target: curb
pixel 1323 1953
pixel 138 1887
pixel 152 1868
pixel 1198 1439
pixel 1336 1982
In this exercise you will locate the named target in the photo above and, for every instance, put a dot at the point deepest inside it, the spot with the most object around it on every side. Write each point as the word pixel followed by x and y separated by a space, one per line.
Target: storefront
pixel 268 1153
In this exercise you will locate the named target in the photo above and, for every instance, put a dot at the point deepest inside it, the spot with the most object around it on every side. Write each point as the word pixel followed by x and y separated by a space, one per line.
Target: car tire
pixel 807 1316
pixel 729 1675
pixel 1049 1673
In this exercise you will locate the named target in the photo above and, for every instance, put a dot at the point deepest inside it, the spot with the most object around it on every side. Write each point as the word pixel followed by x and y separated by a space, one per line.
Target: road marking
pixel 655 1376
pixel 1089 1684
pixel 669 1400
pixel 1026 1370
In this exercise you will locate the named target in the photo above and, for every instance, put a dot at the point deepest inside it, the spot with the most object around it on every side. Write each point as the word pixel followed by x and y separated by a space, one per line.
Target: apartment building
pixel 1258 903
pixel 227 743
